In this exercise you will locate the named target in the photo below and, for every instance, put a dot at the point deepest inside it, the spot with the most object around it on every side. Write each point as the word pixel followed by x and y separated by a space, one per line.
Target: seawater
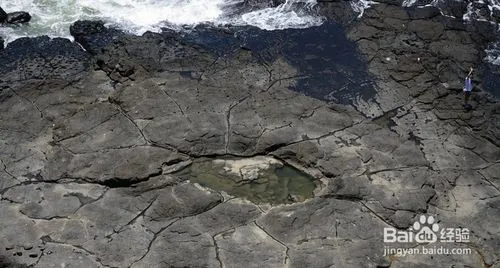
pixel 53 17
pixel 259 179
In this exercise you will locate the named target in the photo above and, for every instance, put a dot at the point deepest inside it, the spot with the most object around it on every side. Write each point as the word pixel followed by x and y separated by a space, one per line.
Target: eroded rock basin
pixel 259 179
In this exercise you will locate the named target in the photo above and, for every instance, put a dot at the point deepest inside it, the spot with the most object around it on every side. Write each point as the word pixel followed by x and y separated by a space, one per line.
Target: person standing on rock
pixel 468 89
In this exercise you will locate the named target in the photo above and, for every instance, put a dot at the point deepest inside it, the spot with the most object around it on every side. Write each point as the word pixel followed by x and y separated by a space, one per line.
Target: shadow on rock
pixel 5 263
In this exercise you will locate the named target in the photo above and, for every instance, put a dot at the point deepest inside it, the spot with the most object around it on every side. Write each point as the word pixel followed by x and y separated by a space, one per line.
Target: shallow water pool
pixel 258 179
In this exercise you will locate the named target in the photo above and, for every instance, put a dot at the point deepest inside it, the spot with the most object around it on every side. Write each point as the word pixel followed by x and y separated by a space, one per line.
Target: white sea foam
pixel 359 6
pixel 284 16
pixel 493 53
pixel 409 3
pixel 53 17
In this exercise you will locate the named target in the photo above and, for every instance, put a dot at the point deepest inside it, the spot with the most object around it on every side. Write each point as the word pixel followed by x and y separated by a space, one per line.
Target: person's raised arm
pixel 470 72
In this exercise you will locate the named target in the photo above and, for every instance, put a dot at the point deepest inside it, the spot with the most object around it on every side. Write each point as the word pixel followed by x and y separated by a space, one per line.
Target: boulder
pixel 3 15
pixel 392 2
pixel 425 29
pixel 419 3
pixel 92 35
pixel 452 8
pixel 495 13
pixel 338 11
pixel 18 17
pixel 237 8
pixel 259 4
pixel 483 32
pixel 482 10
pixel 451 23
pixel 427 12
pixel 16 62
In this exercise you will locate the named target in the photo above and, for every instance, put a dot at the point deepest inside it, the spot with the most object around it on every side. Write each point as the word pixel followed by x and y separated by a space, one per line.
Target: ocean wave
pixel 53 17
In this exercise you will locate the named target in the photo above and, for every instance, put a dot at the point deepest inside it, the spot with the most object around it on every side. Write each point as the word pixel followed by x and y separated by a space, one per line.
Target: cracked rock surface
pixel 90 142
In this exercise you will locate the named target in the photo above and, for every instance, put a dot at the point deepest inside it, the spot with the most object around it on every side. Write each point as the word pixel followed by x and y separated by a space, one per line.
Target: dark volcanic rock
pixel 481 11
pixel 260 4
pixel 484 32
pixel 451 23
pixel 491 80
pixel 392 2
pixel 86 164
pixel 496 14
pixel 338 11
pixel 93 36
pixel 453 8
pixel 1 43
pixel 426 12
pixel 129 56
pixel 30 58
pixel 3 15
pixel 421 3
pixel 338 75
pixel 18 17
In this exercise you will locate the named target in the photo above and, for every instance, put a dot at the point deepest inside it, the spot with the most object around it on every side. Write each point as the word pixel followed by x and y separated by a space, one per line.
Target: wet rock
pixel 451 23
pixel 92 35
pixel 496 14
pixel 453 8
pixel 28 58
pixel 260 4
pixel 484 31
pixel 426 30
pixel 392 2
pixel 425 12
pixel 338 11
pixel 420 3
pixel 18 17
pixel 3 15
pixel 481 10
pixel 132 57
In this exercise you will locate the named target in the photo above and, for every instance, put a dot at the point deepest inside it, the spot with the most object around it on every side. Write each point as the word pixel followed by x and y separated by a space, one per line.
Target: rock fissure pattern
pixel 88 153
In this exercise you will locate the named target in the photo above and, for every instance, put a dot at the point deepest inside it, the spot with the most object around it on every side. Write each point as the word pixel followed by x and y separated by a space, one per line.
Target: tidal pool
pixel 259 179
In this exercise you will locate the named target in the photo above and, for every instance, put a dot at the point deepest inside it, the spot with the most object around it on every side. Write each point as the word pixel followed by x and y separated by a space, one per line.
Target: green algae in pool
pixel 258 179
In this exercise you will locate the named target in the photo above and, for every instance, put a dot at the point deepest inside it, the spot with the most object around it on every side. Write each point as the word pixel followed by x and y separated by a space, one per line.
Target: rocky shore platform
pixel 93 133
